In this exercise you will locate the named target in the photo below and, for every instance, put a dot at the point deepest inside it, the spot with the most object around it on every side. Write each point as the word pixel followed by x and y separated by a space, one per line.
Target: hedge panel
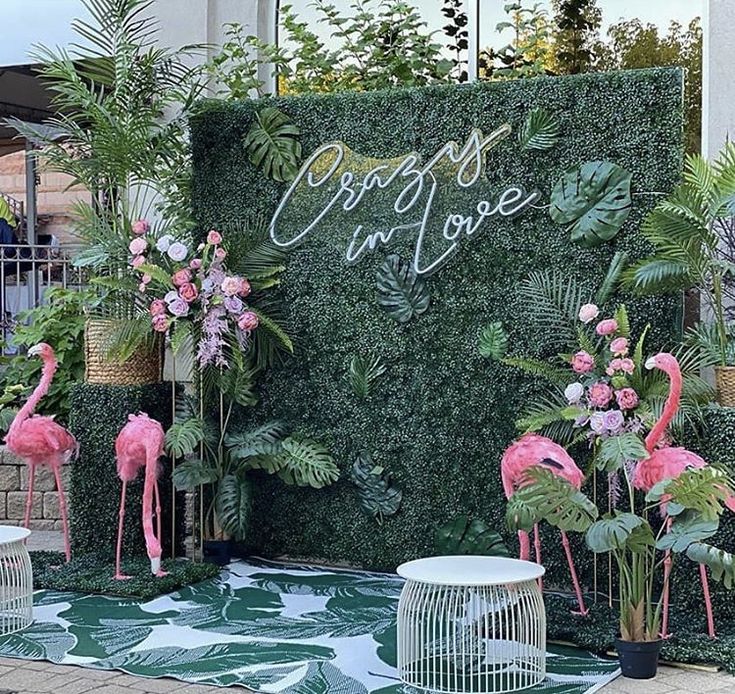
pixel 441 417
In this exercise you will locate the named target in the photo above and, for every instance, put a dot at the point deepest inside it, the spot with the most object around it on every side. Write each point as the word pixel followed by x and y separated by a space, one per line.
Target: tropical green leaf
pixel 720 563
pixel 239 384
pixel 233 502
pixel 307 463
pixel 539 131
pixel 552 300
pixel 401 291
pixel 703 490
pixel 537 367
pixel 463 535
pixel 493 342
pixel 686 529
pixel 612 277
pixel 616 450
pixel 378 497
pixel 551 498
pixel 621 318
pixel 273 146
pixel 180 336
pixel 593 201
pixel 620 531
pixel 192 473
pixel 274 328
pixel 253 442
pixel 182 438
pixel 364 373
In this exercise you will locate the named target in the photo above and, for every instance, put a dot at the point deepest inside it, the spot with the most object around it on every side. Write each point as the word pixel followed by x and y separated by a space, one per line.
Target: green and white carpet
pixel 272 628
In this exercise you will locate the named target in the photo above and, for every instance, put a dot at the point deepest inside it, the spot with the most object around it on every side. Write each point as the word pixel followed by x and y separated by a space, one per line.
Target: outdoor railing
pixel 27 272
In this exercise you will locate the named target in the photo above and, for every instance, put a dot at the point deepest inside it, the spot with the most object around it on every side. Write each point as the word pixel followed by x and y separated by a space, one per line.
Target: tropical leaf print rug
pixel 269 627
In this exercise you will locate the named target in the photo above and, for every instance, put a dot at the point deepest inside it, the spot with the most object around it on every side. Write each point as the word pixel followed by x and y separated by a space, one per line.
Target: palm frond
pixel 553 300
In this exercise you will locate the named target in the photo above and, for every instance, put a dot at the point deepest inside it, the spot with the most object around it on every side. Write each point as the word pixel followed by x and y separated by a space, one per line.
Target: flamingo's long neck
pixel 670 407
pixel 47 374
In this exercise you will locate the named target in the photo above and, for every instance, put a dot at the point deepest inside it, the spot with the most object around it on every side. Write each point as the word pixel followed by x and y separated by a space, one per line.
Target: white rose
pixel 574 392
pixel 177 251
pixel 164 242
pixel 588 313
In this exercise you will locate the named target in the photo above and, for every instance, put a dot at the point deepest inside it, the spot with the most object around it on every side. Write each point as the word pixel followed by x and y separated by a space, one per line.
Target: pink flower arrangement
pixel 600 394
pixel 200 290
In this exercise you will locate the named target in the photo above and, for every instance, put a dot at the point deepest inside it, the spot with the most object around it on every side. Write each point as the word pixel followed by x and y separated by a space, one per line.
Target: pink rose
pixel 181 277
pixel 582 362
pixel 188 292
pixel 615 365
pixel 619 346
pixel 146 279
pixel 195 264
pixel 588 313
pixel 627 399
pixel 627 365
pixel 230 286
pixel 214 238
pixel 142 287
pixel 159 323
pixel 137 261
pixel 606 327
pixel 141 227
pixel 138 246
pixel 220 254
pixel 600 394
pixel 245 288
pixel 157 307
pixel 247 321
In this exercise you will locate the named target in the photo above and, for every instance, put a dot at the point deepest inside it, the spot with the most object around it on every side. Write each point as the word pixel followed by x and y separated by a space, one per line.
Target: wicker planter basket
pixel 725 382
pixel 143 368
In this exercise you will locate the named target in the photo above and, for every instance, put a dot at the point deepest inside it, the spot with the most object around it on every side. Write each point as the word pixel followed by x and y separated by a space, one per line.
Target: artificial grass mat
pixel 688 643
pixel 92 573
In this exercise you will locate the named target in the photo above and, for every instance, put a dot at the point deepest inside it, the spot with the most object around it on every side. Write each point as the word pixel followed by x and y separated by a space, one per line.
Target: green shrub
pixel 59 321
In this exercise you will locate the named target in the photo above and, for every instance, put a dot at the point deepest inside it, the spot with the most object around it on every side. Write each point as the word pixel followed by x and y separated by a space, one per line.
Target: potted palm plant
pixel 691 232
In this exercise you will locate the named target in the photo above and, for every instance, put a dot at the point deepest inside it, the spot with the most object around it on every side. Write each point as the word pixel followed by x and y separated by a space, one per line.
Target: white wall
pixel 718 86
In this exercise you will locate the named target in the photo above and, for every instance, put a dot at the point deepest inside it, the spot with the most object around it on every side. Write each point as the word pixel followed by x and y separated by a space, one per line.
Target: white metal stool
pixel 16 580
pixel 471 625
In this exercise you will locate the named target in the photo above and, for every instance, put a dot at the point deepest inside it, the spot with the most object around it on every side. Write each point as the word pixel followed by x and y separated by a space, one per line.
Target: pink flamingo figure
pixel 40 440
pixel 533 450
pixel 668 463
pixel 139 445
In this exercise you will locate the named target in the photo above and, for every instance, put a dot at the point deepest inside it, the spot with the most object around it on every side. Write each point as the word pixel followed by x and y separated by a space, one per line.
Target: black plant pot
pixel 218 552
pixel 638 659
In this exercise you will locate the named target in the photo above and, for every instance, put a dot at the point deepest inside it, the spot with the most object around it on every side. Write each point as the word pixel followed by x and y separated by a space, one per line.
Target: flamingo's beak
pixel 651 363
pixel 34 351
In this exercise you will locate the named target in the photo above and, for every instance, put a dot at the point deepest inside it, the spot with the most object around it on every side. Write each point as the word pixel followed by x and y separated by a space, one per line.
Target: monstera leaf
pixel 593 200
pixel 400 290
pixel 378 497
pixel 272 144
pixel 465 536
pixel 540 130
pixel 493 342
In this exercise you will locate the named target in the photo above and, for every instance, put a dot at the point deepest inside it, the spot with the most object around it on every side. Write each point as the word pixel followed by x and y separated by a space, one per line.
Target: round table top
pixel 470 571
pixel 12 533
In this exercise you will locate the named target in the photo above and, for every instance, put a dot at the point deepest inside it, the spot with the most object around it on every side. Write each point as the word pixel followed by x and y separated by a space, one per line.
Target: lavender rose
pixel 179 308
pixel 613 420
pixel 164 242
pixel 233 304
pixel 177 251
pixel 574 392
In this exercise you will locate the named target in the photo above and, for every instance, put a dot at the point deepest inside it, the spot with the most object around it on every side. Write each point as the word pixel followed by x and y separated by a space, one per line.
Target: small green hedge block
pixel 440 418
pixel 98 413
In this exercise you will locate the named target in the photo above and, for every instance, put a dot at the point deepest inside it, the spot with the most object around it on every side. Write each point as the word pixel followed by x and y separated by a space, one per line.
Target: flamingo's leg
pixel 707 601
pixel 524 542
pixel 667 574
pixel 573 571
pixel 29 497
pixel 118 574
pixel 537 547
pixel 62 511
pixel 157 494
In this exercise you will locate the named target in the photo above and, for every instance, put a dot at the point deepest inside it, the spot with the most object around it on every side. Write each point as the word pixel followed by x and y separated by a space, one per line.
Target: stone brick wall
pixel 14 488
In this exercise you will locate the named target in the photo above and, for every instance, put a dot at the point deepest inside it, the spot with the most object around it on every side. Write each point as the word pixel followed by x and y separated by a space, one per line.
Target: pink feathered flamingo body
pixel 533 450
pixel 139 445
pixel 40 440
pixel 668 463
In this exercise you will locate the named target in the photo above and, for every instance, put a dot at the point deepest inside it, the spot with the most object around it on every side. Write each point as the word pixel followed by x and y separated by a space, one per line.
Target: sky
pixel 28 22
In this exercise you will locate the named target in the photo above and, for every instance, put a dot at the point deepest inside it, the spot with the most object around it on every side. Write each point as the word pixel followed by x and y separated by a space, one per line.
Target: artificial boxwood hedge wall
pixel 98 413
pixel 440 418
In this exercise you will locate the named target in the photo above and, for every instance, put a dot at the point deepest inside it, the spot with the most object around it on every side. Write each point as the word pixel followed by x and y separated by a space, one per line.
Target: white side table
pixel 471 624
pixel 16 580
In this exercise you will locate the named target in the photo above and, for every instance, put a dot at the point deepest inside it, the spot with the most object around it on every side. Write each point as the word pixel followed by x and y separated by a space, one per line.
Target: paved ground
pixel 670 681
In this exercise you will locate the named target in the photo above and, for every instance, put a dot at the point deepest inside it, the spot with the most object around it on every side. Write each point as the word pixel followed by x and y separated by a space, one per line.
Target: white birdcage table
pixel 16 580
pixel 471 625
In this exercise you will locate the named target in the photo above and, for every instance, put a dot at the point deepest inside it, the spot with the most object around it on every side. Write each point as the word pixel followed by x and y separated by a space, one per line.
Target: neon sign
pixel 359 186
